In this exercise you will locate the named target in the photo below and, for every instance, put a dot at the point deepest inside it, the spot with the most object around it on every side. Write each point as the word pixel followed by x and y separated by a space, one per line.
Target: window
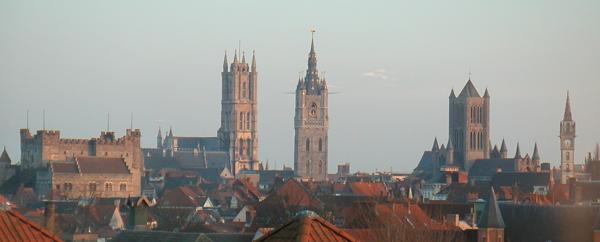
pixel 123 187
pixel 244 91
pixel 68 186
pixel 108 187
pixel 241 120
pixel 307 144
pixel 320 144
pixel 57 187
pixel 248 121
pixel 92 187
pixel 320 167
pixel 241 147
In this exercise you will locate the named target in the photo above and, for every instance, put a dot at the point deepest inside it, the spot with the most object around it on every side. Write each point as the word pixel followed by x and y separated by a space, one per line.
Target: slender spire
pixel 568 116
pixel 225 62
pixel 450 146
pixel 452 95
pixel 253 61
pixel 486 94
pixel 518 153
pixel 243 57
pixel 159 132
pixel 492 217
pixel 170 131
pixel 536 153
pixel 503 147
pixel 312 73
pixel 235 58
pixel 597 153
pixel 435 147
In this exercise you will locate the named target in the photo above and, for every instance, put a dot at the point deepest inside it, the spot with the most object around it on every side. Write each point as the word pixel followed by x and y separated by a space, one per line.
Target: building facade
pixel 311 123
pixel 238 134
pixel 469 125
pixel 46 147
pixel 567 144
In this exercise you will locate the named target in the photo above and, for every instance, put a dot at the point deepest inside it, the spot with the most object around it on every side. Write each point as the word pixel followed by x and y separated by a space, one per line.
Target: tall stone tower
pixel 311 123
pixel 469 125
pixel 567 144
pixel 238 134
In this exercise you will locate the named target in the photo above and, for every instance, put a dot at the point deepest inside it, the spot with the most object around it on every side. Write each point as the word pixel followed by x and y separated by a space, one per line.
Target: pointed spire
pixel 536 153
pixel 159 132
pixel 503 147
pixel 492 217
pixel 443 147
pixel 225 62
pixel 312 73
pixel 452 95
pixel 597 153
pixel 4 156
pixel 568 116
pixel 450 146
pixel 235 58
pixel 171 131
pixel 435 145
pixel 518 153
pixel 486 94
pixel 253 61
pixel 243 57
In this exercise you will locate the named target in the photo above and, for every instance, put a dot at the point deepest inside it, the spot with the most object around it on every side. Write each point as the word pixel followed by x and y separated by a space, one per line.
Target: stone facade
pixel 311 123
pixel 567 145
pixel 7 169
pixel 469 125
pixel 46 146
pixel 238 134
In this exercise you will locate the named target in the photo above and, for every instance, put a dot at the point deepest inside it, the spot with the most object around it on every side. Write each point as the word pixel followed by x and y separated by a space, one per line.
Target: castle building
pixel 238 134
pixel 592 164
pixel 567 144
pixel 7 169
pixel 469 125
pixel 311 123
pixel 40 151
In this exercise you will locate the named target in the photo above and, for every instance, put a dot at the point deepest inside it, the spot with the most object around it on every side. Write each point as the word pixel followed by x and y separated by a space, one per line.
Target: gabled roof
pixel 469 90
pixel 4 158
pixel 526 181
pixel 15 227
pixel 183 196
pixel 369 189
pixel 491 217
pixel 307 227
pixel 97 165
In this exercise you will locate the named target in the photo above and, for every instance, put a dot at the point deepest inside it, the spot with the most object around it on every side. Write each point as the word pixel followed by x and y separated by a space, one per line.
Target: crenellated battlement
pixel 74 141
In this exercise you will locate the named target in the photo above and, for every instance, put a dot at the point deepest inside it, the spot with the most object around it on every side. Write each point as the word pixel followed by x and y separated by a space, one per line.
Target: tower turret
pixel 503 150
pixel 159 139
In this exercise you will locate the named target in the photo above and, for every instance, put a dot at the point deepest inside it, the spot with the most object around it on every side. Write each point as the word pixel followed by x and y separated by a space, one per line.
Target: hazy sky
pixel 392 63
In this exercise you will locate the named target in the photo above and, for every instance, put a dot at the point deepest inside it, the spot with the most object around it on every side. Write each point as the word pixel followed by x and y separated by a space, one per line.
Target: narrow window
pixel 241 120
pixel 320 144
pixel 307 144
pixel 123 187
pixel 248 121
pixel 244 91
pixel 108 187
pixel 241 147
pixel 92 187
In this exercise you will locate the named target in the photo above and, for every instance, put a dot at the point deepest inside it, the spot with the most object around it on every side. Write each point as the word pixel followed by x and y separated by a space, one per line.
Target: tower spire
pixel 253 61
pixel 536 153
pixel 312 73
pixel 518 152
pixel 568 116
pixel 225 62
pixel 235 58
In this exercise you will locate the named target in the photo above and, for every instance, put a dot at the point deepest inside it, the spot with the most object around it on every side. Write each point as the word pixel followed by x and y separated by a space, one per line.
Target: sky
pixel 390 66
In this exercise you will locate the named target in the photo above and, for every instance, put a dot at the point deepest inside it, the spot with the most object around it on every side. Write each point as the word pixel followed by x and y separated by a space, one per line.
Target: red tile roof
pixel 371 189
pixel 15 227
pixel 102 165
pixel 308 227
pixel 63 167
pixel 296 194
pixel 183 196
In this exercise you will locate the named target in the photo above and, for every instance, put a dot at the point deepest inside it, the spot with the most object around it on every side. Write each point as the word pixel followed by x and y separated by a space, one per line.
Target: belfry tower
pixel 311 123
pixel 567 144
pixel 238 134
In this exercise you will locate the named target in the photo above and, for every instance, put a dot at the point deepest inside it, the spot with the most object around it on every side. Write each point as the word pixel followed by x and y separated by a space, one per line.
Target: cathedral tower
pixel 238 134
pixel 469 125
pixel 311 123
pixel 567 144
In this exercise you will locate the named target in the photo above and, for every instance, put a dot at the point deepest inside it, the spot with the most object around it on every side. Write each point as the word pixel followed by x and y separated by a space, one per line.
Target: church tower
pixel 311 123
pixel 238 134
pixel 567 144
pixel 469 125
pixel 159 140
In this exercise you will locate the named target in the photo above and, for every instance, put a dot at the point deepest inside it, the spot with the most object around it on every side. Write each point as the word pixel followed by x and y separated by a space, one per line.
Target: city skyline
pixel 397 108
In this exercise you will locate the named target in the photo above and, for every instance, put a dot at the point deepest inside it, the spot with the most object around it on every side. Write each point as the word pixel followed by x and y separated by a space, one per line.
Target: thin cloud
pixel 380 74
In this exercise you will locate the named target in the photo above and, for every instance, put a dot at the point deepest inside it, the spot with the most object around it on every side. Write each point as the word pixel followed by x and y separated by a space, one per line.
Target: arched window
pixel 92 187
pixel 249 148
pixel 244 91
pixel 320 167
pixel 248 121
pixel 241 147
pixel 241 120
pixel 320 144
pixel 307 144
pixel 123 187
pixel 108 187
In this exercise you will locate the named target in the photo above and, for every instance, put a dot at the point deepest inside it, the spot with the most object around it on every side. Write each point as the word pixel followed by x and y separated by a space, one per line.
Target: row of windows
pixel 108 187
pixel 320 165
pixel 245 147
pixel 308 144
pixel 477 114
pixel 244 120
pixel 105 153
pixel 477 142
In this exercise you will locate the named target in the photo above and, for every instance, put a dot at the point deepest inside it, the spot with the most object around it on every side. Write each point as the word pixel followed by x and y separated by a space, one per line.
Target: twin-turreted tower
pixel 311 123
pixel 238 134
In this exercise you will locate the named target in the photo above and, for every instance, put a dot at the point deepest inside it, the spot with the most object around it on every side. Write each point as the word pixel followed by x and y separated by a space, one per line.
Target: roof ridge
pixel 33 225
